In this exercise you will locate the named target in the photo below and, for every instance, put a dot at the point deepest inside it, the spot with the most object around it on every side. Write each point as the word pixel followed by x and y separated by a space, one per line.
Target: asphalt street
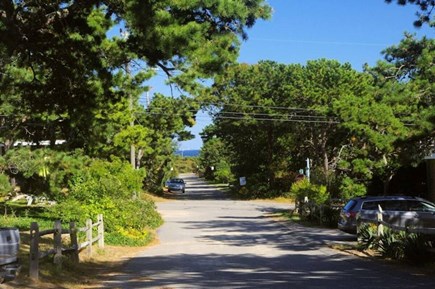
pixel 209 241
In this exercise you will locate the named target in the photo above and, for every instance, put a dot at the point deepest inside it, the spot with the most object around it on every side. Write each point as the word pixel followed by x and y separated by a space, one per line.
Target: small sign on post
pixel 242 181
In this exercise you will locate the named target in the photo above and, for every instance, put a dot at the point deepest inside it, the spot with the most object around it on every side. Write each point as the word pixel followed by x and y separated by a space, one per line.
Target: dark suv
pixel 392 205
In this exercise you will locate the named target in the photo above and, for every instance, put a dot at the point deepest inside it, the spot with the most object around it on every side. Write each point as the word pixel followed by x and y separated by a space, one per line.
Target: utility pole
pixel 308 169
pixel 132 147
pixel 125 35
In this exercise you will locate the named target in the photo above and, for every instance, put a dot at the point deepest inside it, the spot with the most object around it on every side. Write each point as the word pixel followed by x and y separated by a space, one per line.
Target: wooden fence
pixel 58 250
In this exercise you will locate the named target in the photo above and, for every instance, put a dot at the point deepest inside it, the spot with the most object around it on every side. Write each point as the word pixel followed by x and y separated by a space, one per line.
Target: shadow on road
pixel 253 271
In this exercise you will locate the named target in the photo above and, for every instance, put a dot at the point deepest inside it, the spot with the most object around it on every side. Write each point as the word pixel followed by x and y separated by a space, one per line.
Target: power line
pixel 240 113
pixel 259 118
pixel 258 106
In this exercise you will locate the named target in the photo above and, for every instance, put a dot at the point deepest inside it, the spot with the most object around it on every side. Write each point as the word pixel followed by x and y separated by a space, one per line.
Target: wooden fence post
pixel 34 251
pixel 74 241
pixel 100 231
pixel 57 238
pixel 89 236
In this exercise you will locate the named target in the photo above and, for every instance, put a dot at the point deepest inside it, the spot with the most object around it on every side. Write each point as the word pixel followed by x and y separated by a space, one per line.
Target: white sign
pixel 242 181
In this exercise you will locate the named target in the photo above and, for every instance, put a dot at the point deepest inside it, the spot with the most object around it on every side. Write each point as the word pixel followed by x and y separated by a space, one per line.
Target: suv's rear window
pixel 398 205
pixel 386 205
pixel 349 206
pixel 420 206
pixel 373 205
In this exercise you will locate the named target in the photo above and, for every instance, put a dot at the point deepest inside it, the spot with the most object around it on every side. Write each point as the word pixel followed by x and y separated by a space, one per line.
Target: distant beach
pixel 188 153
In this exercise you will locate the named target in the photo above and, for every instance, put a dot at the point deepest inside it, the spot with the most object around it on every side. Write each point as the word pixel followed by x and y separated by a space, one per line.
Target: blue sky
pixel 344 30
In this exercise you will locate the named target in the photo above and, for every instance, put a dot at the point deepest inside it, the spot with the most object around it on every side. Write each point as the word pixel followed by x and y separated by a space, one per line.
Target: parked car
pixel 348 215
pixel 401 212
pixel 174 185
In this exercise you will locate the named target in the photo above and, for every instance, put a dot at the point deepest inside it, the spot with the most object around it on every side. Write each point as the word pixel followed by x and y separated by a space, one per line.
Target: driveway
pixel 209 241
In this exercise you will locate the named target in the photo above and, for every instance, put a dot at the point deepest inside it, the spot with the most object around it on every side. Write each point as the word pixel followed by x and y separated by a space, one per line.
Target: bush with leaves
pixel 349 189
pixel 367 235
pixel 397 245
pixel 108 188
pixel 316 194
pixel 417 249
pixel 223 173
pixel 115 179
pixel 43 171
pixel 5 186
pixel 310 199
pixel 391 244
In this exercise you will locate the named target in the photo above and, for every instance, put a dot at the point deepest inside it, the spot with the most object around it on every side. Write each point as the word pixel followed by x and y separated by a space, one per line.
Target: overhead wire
pixel 281 119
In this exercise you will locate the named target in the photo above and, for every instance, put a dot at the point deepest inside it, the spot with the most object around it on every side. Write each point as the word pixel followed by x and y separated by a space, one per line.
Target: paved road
pixel 208 241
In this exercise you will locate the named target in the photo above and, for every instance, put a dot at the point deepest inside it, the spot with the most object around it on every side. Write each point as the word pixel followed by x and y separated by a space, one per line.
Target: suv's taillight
pixel 350 214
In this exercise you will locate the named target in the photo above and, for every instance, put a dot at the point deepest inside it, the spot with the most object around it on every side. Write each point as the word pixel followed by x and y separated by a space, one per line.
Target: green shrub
pixel 350 189
pixel 397 245
pixel 367 235
pixel 107 188
pixel 129 237
pixel 316 194
pixel 134 214
pixel 223 173
pixel 391 244
pixel 5 186
pixel 330 216
pixel 128 214
pixel 416 249
pixel 101 178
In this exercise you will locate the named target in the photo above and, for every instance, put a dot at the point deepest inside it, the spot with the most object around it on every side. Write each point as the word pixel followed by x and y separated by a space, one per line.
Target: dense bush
pixel 316 194
pixel 391 244
pixel 350 189
pixel 397 245
pixel 5 186
pixel 417 249
pixel 186 164
pixel 43 171
pixel 223 173
pixel 108 188
pixel 367 236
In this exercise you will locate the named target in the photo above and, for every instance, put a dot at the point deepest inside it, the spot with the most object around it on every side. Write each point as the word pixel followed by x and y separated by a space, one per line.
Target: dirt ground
pixel 89 273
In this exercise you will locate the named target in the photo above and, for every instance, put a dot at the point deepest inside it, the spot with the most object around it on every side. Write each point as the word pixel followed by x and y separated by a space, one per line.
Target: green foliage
pixel 5 186
pixel 70 211
pixel 316 194
pixel 367 236
pixel 129 217
pixel 391 244
pixel 116 179
pixel 129 237
pixel 23 222
pixel 329 216
pixel 186 164
pixel 223 173
pixel 107 188
pixel 416 249
pixel 425 10
pixel 215 160
pixel 398 245
pixel 118 213
pixel 350 189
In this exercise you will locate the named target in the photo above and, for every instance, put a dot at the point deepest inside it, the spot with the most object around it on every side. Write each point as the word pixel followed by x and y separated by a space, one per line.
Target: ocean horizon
pixel 187 153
